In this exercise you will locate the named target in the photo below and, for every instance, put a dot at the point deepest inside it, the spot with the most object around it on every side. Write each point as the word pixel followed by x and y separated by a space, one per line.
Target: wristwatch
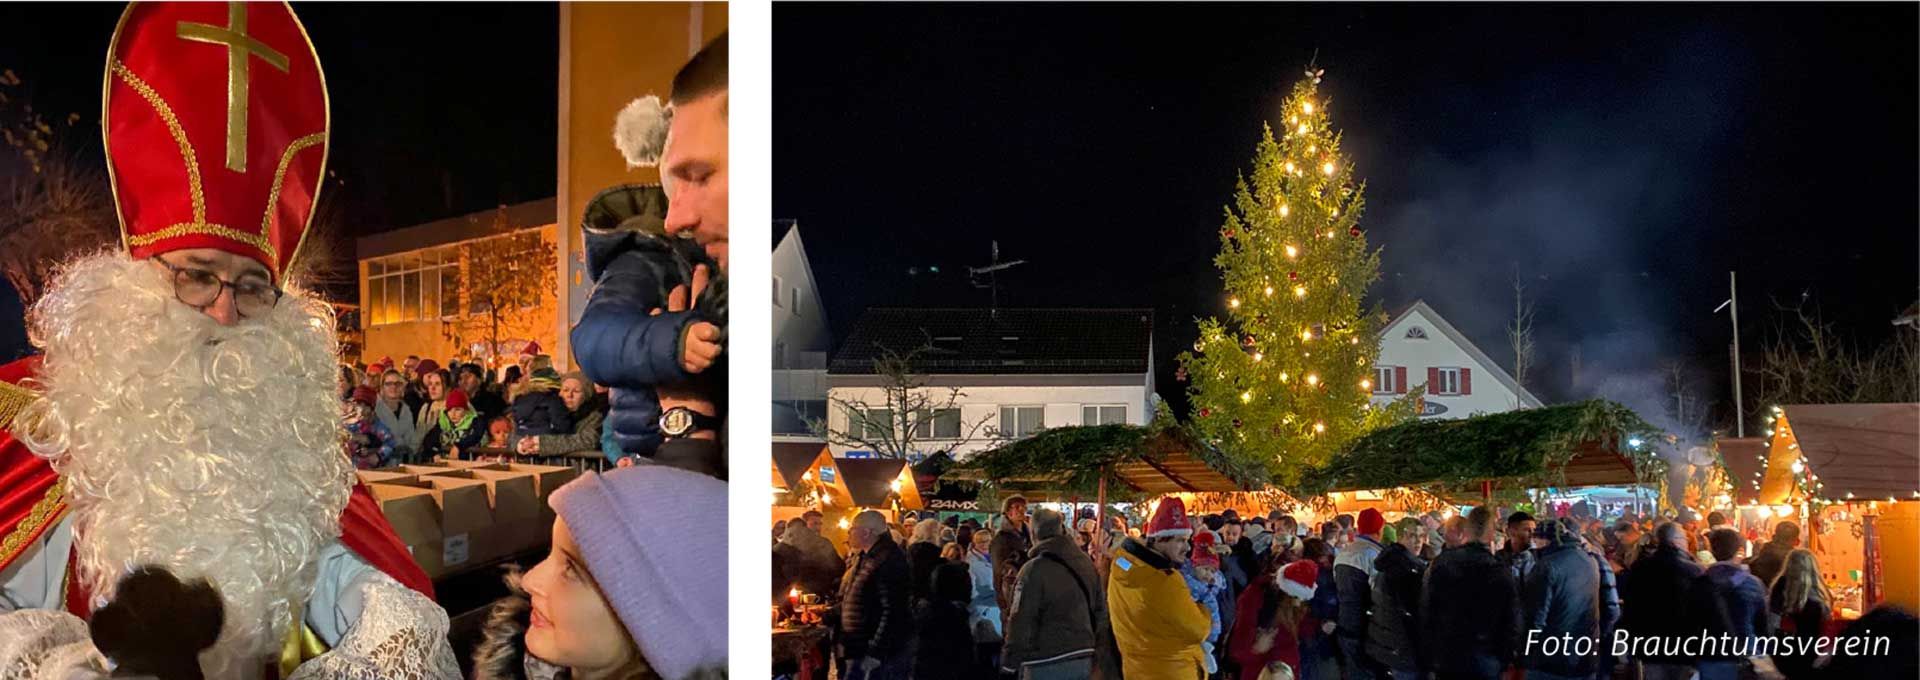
pixel 681 421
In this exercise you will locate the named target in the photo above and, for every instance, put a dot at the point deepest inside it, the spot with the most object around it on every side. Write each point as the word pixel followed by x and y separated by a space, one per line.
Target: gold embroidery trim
pixel 179 136
pixel 219 230
pixel 280 175
pixel 13 399
pixel 48 510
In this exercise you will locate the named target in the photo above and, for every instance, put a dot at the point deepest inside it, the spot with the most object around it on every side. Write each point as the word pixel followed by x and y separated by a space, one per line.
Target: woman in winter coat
pixel 538 408
pixel 944 645
pixel 923 555
pixel 585 411
pixel 619 598
pixel 1393 630
pixel 1801 599
pixel 1275 623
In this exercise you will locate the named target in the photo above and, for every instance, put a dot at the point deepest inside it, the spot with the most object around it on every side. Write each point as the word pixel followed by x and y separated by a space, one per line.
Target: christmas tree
pixel 1285 379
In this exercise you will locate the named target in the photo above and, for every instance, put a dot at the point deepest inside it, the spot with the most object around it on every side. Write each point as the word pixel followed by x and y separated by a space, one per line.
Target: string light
pixel 1258 356
pixel 1306 335
pixel 1319 428
pixel 1798 467
pixel 1299 291
pixel 1283 376
pixel 1366 384
pixel 1269 291
pixel 1246 397
pixel 1327 168
pixel 1234 303
pixel 844 524
pixel 1283 206
pixel 1308 107
pixel 1313 379
pixel 1292 251
pixel 1289 171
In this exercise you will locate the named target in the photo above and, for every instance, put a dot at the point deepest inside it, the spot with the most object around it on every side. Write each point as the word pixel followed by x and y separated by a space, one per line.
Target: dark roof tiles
pixel 1007 341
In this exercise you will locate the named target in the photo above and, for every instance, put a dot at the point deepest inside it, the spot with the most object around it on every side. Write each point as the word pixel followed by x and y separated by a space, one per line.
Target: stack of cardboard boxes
pixel 460 515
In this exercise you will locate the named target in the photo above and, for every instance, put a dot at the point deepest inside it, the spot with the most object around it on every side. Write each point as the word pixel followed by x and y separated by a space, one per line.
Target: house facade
pixel 1418 347
pixel 801 339
pixel 1018 371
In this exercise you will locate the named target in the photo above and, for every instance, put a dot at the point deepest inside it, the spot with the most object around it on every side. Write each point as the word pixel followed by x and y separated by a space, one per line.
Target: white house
pixel 1419 347
pixel 1020 370
pixel 800 338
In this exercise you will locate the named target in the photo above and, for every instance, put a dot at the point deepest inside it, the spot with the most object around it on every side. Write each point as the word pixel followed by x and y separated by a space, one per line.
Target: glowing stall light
pixel 1635 442
pixel 1783 510
pixel 844 524
pixel 1798 467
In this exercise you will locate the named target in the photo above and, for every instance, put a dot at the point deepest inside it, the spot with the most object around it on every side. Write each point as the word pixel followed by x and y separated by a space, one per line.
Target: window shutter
pixel 1466 381
pixel 1433 380
pixel 1400 379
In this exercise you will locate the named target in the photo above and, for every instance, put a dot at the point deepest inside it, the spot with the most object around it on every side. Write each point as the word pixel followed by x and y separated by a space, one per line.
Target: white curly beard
pixel 212 451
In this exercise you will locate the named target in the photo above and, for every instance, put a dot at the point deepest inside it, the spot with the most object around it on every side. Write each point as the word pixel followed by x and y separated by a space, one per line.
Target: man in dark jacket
pixel 1517 554
pixel 1654 593
pixel 1393 632
pixel 1059 607
pixel 487 405
pixel 1469 606
pixel 1609 601
pixel 1561 605
pixel 1728 600
pixel 1009 553
pixel 1767 563
pixel 1353 575
pixel 876 619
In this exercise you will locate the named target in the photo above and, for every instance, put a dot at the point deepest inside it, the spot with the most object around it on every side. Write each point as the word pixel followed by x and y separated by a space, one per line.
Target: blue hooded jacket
pixel 618 341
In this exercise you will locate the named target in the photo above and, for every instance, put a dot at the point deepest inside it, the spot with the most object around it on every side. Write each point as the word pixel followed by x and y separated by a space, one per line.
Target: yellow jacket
pixel 1156 624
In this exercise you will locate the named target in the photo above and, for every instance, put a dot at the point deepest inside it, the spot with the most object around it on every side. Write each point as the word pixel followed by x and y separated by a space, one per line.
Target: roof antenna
pixel 992 271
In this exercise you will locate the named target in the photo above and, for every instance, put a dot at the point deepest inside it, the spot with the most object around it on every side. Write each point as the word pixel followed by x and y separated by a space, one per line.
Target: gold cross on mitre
pixel 239 46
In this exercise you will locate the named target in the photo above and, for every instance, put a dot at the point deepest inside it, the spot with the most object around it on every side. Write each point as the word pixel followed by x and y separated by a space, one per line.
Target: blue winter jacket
pixel 618 341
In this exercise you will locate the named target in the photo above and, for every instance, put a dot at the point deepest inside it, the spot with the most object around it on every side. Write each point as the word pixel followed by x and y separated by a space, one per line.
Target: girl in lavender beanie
pixel 624 594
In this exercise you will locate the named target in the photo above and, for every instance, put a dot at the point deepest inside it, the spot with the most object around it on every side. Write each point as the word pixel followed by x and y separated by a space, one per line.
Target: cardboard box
pixel 383 475
pixel 442 531
pixel 546 478
pixel 516 514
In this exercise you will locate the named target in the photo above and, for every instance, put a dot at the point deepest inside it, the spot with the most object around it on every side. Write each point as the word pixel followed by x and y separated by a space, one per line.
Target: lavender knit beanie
pixel 671 593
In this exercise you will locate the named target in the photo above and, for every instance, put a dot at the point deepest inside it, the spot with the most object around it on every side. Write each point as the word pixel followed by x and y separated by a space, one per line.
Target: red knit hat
pixel 1298 578
pixel 426 366
pixel 1203 555
pixel 1170 519
pixel 363 394
pixel 1370 521
pixel 531 350
pixel 456 398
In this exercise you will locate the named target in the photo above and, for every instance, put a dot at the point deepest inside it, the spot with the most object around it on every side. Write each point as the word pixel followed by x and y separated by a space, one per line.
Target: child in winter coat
pixel 456 429
pixel 369 443
pixel 1202 572
pixel 538 408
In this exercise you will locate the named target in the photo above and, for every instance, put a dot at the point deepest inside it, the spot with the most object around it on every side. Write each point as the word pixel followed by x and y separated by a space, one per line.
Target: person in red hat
pixel 1353 574
pixel 457 429
pixel 1276 606
pixel 181 423
pixel 1157 626
pixel 369 444
pixel 1209 588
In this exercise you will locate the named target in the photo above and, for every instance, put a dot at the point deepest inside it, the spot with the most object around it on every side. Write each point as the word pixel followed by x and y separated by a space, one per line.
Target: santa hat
pixel 1298 577
pixel 456 399
pixel 426 366
pixel 1203 555
pixel 1169 520
pixel 363 395
pixel 531 350
pixel 1371 522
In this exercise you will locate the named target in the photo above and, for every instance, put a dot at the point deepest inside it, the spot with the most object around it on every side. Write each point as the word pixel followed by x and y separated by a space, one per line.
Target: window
pixel 776 292
pixel 942 424
pixel 1383 380
pixel 1103 415
pixel 780 354
pixel 878 424
pixel 1021 421
pixel 1416 333
pixel 413 286
pixel 796 302
pixel 1449 382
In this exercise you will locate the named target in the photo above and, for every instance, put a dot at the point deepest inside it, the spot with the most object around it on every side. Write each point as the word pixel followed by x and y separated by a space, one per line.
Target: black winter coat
pixel 1767 563
pixel 922 558
pixel 1653 595
pixel 1393 633
pixel 1469 632
pixel 944 646
pixel 1562 598
pixel 876 617
pixel 542 412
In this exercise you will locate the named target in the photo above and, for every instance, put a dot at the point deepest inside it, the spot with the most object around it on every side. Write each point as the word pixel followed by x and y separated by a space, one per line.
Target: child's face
pixel 1205 572
pixel 456 414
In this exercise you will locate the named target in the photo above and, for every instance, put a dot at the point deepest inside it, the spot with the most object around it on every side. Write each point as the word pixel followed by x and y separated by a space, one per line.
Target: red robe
pixel 32 502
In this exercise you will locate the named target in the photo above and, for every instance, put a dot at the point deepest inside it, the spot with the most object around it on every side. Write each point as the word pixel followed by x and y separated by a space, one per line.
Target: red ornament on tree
pixel 1206 412
pixel 1236 423
pixel 1293 276
pixel 1180 375
pixel 1355 231
pixel 1229 233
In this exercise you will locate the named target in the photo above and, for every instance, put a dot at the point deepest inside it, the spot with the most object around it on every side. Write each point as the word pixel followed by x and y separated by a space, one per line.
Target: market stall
pixel 1491 458
pixel 1849 474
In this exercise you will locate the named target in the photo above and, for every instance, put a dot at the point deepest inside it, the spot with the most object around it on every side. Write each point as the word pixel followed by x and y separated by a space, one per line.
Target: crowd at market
pixel 1433 595
pixel 416 410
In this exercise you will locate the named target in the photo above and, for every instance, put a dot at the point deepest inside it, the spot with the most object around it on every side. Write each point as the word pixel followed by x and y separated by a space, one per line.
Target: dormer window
pixel 1416 333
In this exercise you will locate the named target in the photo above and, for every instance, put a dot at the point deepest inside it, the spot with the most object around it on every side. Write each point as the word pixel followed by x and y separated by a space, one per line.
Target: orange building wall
pixel 426 339
pixel 611 54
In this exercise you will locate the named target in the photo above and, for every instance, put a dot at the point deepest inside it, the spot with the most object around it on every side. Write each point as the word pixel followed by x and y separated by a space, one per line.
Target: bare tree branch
pixel 1520 332
pixel 906 421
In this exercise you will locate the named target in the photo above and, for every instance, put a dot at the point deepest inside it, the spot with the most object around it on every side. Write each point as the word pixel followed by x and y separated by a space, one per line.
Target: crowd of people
pixel 415 410
pixel 1473 595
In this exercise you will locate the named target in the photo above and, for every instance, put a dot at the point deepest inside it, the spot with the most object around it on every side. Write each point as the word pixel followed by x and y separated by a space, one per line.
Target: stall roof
pixel 869 482
pixel 1067 462
pixel 793 459
pixel 1869 450
pixel 1580 444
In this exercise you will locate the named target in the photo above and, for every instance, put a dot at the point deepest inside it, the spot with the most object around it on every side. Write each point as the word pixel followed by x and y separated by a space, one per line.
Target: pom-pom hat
pixel 1203 554
pixel 1370 522
pixel 456 398
pixel 1170 520
pixel 215 123
pixel 1298 579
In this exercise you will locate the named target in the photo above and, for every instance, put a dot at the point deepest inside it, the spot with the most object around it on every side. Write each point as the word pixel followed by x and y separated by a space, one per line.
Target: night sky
pixel 1622 158
pixel 438 110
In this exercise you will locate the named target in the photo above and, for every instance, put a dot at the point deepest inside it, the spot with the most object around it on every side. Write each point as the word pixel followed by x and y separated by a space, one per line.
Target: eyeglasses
pixel 393 383
pixel 199 288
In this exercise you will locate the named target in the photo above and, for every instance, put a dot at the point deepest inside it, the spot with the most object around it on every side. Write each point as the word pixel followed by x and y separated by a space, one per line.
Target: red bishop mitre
pixel 215 124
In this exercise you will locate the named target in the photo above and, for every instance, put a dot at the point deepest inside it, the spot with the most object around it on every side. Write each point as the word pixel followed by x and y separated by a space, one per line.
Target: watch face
pixel 676 421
